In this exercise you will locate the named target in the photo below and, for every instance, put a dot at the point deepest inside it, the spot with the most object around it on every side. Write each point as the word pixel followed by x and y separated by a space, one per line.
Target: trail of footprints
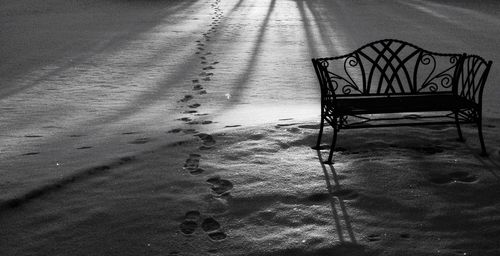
pixel 219 187
pixel 205 75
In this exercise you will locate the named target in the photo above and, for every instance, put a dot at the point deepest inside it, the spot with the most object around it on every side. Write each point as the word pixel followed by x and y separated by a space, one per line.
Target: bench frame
pixel 384 74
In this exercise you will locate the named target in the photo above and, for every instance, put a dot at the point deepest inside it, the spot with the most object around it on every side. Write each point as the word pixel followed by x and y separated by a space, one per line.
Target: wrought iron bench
pixel 384 83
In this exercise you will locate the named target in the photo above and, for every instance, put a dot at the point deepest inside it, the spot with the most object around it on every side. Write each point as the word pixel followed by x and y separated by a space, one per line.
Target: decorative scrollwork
pixel 468 115
pixel 324 63
pixel 349 63
pixel 437 80
pixel 454 59
pixel 349 121
pixel 390 67
pixel 353 62
pixel 427 59
pixel 335 85
pixel 344 82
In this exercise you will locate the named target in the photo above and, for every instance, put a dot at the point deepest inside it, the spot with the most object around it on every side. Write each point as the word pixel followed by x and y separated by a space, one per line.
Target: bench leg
pixel 321 125
pixel 481 139
pixel 334 141
pixel 460 137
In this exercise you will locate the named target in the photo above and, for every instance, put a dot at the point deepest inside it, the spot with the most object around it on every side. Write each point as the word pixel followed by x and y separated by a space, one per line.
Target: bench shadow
pixel 337 202
pixel 487 161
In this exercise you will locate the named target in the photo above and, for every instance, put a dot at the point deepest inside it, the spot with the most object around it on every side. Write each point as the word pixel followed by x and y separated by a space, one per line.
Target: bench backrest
pixel 388 67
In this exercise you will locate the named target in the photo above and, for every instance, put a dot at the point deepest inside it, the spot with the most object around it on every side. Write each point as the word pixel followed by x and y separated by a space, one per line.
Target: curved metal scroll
pixel 437 80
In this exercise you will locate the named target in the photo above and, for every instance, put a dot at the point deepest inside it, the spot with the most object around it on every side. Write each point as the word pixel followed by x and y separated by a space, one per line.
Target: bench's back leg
pixel 334 141
pixel 457 122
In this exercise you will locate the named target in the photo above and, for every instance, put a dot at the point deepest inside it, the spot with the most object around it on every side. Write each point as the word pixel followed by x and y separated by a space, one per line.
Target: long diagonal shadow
pixel 331 190
pixel 115 42
pixel 243 77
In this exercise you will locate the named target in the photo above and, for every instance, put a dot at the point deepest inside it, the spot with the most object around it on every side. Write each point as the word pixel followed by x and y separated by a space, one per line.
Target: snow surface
pixel 176 127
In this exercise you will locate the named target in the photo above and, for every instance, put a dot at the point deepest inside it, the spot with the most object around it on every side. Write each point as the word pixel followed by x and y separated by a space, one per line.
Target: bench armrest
pixel 326 86
pixel 471 78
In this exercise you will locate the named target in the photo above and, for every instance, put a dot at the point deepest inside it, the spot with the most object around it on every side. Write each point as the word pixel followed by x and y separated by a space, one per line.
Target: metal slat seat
pixel 397 104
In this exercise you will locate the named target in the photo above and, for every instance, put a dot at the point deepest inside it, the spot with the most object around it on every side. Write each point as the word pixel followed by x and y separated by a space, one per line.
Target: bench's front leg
pixel 480 132
pixel 321 125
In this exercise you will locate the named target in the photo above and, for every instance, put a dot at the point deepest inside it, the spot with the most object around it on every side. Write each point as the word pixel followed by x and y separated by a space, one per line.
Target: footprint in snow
pixel 208 140
pixel 84 147
pixel 190 223
pixel 33 136
pixel 429 150
pixel 186 98
pixel 31 153
pixel 373 238
pixel 184 119
pixel 212 251
pixel 76 135
pixel 217 236
pixel 176 130
pixel 454 177
pixel 198 122
pixel 140 141
pixel 189 131
pixel 192 164
pixel 285 125
pixel 212 228
pixel 210 225
pixel 462 177
pixel 129 133
pixel 220 186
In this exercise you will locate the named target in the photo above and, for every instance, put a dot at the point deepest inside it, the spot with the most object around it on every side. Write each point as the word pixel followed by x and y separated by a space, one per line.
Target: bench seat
pixel 397 104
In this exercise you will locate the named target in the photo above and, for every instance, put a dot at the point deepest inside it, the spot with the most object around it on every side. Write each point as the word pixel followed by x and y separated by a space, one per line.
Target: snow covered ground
pixel 176 127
